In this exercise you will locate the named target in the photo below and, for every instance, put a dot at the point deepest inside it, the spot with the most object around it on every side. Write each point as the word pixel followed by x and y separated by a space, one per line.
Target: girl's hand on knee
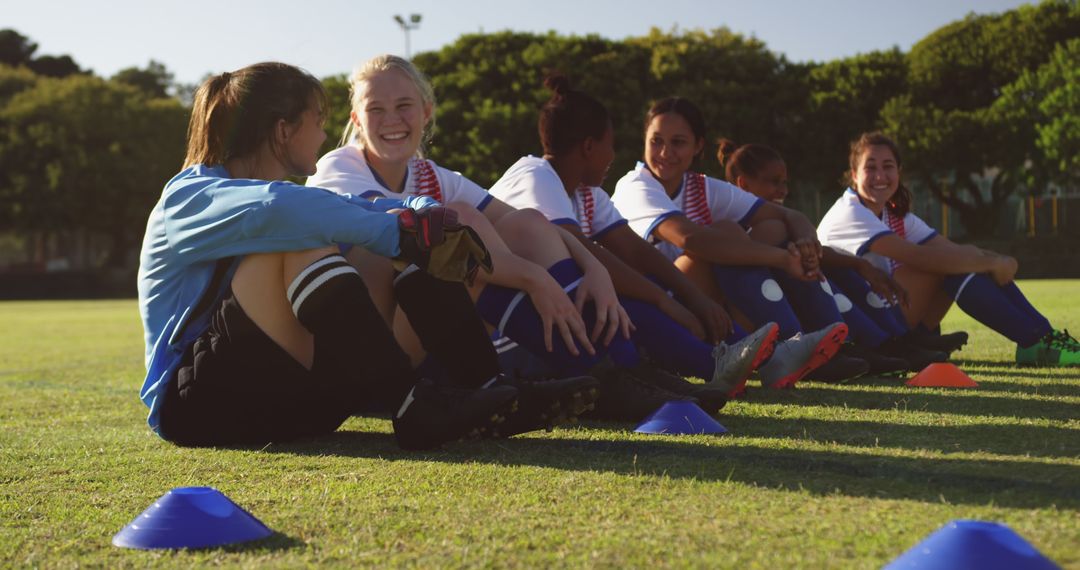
pixel 557 311
pixel 611 318
pixel 1004 270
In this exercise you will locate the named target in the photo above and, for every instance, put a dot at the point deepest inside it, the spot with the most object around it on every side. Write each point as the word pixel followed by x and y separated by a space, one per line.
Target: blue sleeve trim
pixel 866 245
pixel 484 203
pixel 372 194
pixel 743 221
pixel 570 221
pixel 652 227
pixel 928 238
pixel 600 234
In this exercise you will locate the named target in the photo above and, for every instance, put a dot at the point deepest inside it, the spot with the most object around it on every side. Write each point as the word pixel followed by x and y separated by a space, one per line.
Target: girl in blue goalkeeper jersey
pixel 256 328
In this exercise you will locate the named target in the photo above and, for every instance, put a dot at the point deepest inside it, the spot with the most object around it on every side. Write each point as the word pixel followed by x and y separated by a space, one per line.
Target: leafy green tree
pixel 81 153
pixel 154 80
pixel 845 100
pixel 15 48
pixel 955 142
pixel 1044 105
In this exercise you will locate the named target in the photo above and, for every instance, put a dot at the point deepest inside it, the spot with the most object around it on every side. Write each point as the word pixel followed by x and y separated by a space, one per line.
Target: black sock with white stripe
pixel 318 290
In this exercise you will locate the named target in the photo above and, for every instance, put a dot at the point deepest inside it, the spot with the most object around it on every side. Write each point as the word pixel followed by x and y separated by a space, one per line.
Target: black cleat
pixel 625 397
pixel 431 415
pixel 935 342
pixel 918 357
pixel 881 364
pixel 839 368
pixel 545 404
pixel 710 397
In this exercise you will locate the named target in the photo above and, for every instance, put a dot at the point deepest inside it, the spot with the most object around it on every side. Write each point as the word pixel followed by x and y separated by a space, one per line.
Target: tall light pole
pixel 408 26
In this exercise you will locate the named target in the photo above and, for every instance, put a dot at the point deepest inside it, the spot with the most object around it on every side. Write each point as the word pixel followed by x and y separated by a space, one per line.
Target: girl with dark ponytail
pixel 873 219
pixel 678 331
pixel 257 329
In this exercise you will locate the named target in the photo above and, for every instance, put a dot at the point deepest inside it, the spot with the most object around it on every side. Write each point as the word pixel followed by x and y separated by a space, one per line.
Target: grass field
pixel 820 477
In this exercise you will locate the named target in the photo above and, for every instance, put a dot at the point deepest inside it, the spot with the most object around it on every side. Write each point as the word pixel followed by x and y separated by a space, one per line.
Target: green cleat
pixel 1057 348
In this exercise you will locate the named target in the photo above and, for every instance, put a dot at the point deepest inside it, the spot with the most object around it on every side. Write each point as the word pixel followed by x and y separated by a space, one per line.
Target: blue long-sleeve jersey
pixel 204 216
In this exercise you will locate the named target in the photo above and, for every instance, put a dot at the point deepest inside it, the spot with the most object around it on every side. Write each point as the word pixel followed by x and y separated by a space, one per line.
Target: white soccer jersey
pixel 851 227
pixel 642 199
pixel 345 171
pixel 532 183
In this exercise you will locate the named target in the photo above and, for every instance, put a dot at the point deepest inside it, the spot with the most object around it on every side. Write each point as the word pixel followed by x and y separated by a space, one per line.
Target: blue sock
pixel 812 301
pixel 1021 302
pixel 737 333
pixel 513 314
pixel 989 304
pixel 887 317
pixel 754 291
pixel 667 343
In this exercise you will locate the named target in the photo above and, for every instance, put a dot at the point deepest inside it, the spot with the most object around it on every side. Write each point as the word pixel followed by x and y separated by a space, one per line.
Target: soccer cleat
pixel 918 357
pixel 624 397
pixel 798 355
pixel 881 363
pixel 545 404
pixel 1056 348
pixel 839 368
pixel 431 415
pixel 710 398
pixel 735 362
pixel 935 342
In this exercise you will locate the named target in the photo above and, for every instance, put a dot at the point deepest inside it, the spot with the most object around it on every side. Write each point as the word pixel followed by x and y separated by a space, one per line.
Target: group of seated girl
pixel 273 311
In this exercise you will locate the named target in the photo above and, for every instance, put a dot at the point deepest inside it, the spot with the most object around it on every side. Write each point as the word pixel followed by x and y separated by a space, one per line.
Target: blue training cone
pixel 973 544
pixel 191 517
pixel 680 417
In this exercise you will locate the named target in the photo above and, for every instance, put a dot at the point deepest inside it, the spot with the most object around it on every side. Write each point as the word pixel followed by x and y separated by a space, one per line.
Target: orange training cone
pixel 942 375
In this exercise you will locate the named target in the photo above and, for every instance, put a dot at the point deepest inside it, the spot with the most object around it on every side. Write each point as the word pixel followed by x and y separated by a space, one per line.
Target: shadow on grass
pixel 1019 440
pixel 1019 484
pixel 997 368
pixel 972 402
pixel 276 542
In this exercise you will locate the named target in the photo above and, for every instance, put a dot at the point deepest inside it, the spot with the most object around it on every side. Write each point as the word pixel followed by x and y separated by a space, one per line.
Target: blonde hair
pixel 379 64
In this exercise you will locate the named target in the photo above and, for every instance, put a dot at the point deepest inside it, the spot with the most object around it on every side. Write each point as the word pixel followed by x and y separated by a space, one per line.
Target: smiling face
pixel 302 141
pixel 670 148
pixel 876 176
pixel 391 116
pixel 770 183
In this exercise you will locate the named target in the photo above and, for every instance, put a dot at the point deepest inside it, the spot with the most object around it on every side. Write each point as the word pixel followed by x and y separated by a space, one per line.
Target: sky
pixel 327 37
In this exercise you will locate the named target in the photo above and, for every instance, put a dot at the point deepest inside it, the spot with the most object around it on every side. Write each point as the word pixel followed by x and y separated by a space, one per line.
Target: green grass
pixel 823 476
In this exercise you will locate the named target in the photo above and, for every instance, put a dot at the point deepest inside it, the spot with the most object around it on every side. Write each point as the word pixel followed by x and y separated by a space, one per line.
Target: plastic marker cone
pixel 973 544
pixel 942 375
pixel 191 517
pixel 680 417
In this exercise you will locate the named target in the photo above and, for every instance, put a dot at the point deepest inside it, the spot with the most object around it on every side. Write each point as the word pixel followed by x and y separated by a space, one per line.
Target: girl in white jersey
pixel 868 298
pixel 700 224
pixel 676 331
pixel 873 219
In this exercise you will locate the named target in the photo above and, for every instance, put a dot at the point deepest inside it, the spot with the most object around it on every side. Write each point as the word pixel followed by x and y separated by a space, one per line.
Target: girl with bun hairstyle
pixel 868 298
pixel 727 240
pixel 257 330
pixel 677 331
pixel 873 220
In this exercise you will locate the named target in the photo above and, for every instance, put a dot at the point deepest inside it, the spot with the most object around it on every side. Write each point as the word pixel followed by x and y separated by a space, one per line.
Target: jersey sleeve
pixel 851 227
pixel 729 202
pixel 916 230
pixel 605 216
pixel 537 189
pixel 643 203
pixel 457 188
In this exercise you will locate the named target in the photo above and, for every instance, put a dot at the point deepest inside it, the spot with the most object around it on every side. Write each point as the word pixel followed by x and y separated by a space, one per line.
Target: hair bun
pixel 727 148
pixel 559 84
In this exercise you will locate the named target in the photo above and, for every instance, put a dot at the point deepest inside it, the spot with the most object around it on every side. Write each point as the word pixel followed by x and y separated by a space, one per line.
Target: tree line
pixel 987 100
